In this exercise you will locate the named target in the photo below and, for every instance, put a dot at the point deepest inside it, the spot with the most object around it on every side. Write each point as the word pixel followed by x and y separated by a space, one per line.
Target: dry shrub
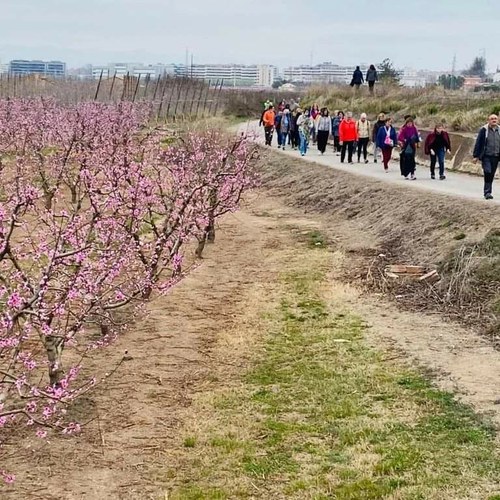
pixel 406 226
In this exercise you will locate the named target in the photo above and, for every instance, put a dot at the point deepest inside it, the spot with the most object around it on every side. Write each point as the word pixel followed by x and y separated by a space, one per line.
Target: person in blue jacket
pixel 487 150
pixel 387 140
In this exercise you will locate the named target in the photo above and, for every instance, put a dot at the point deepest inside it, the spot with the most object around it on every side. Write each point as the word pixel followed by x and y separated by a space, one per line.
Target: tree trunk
pixel 49 196
pixel 54 348
pixel 211 229
pixel 201 246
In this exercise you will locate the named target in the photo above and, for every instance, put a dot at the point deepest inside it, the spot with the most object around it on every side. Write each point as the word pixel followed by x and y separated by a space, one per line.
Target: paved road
pixel 457 184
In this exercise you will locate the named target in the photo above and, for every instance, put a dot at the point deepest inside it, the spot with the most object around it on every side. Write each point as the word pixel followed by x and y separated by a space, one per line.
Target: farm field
pixel 265 374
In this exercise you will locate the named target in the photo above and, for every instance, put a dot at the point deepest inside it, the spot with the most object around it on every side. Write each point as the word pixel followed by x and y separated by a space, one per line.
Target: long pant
pixel 313 134
pixel 295 138
pixel 269 135
pixel 279 136
pixel 408 164
pixel 284 137
pixel 386 156
pixel 322 140
pixel 349 147
pixel 376 151
pixel 438 157
pixel 490 165
pixel 336 144
pixel 363 147
pixel 304 142
pixel 371 86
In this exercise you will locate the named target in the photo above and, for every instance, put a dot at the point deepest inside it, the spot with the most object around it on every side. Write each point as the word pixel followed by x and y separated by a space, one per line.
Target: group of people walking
pixel 297 128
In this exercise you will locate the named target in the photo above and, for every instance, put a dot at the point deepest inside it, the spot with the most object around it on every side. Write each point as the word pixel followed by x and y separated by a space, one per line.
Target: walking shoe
pixel 442 177
pixel 488 196
pixel 413 177
pixel 350 162
pixel 433 176
pixel 366 161
pixel 386 169
pixel 375 160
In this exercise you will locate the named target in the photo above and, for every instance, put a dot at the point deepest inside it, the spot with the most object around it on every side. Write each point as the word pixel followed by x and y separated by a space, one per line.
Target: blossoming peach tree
pixel 96 209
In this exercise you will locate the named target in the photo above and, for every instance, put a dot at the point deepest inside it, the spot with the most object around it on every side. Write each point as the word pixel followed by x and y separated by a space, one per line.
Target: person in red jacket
pixel 348 135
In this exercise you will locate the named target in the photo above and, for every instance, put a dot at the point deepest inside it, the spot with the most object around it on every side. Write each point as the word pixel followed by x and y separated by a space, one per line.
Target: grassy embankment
pixel 319 414
pixel 462 111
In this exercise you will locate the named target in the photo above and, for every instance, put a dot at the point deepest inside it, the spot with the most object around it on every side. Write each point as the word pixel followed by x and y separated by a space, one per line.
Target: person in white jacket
pixel 323 130
pixel 364 130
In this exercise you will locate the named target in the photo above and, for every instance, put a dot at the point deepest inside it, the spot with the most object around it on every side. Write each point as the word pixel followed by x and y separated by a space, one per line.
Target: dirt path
pixel 123 454
pixel 456 184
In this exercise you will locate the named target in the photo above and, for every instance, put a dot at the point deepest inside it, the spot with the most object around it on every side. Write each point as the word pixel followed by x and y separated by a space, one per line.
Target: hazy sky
pixel 420 33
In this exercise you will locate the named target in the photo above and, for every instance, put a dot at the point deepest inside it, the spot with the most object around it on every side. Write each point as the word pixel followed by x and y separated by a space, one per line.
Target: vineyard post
pixel 156 87
pixel 98 86
pixel 112 87
pixel 136 87
pixel 212 100
pixel 178 97
pixel 192 100
pixel 201 96
pixel 164 89
pixel 218 96
pixel 125 82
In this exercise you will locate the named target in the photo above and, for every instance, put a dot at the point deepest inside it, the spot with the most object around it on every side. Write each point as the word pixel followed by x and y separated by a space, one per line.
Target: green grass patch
pixel 321 415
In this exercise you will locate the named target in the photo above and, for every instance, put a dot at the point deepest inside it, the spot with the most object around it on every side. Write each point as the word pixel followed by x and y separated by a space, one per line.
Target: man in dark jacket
pixel 487 149
pixel 357 78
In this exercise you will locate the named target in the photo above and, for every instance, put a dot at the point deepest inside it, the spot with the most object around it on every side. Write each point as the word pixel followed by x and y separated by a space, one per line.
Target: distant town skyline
pixel 426 36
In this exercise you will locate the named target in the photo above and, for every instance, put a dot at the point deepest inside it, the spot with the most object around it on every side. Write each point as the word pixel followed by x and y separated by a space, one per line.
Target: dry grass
pixel 462 111
pixel 315 413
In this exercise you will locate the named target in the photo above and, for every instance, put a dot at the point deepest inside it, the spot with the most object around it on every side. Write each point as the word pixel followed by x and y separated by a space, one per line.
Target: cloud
pixel 281 31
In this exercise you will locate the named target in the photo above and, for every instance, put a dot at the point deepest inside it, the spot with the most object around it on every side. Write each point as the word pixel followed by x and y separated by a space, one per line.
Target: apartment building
pixel 236 75
pixel 45 68
pixel 138 69
pixel 325 72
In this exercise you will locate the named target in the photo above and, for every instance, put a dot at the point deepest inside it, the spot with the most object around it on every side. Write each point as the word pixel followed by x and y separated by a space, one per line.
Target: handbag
pixel 388 141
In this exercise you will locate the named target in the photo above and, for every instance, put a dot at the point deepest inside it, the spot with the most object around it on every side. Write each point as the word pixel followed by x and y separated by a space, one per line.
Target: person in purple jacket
pixel 408 139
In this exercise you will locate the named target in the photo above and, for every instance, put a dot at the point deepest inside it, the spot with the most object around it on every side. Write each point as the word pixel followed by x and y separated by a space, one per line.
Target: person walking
pixel 336 120
pixel 363 129
pixel 371 78
pixel 436 145
pixel 376 127
pixel 268 120
pixel 324 129
pixel 314 114
pixel 348 135
pixel 304 124
pixel 294 130
pixel 487 150
pixel 277 126
pixel 285 127
pixel 357 78
pixel 387 139
pixel 408 139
